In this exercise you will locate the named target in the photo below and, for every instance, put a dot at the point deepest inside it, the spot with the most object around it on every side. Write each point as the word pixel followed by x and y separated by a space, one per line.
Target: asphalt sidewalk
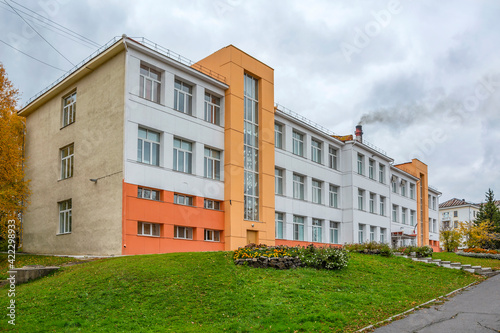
pixel 476 309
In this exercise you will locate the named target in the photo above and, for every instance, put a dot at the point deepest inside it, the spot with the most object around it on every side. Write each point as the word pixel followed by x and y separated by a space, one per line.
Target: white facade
pixel 453 211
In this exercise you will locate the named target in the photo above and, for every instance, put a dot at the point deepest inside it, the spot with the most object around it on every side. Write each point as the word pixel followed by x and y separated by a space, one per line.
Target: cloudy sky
pixel 423 77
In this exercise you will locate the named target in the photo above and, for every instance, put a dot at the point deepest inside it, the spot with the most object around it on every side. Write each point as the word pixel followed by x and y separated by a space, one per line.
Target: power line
pixel 32 57
pixel 38 33
pixel 44 20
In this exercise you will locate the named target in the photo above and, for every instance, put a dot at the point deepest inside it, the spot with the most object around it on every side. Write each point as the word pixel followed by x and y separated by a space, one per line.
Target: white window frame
pixel 278 135
pixel 316 191
pixel 212 235
pixel 298 228
pixel 381 173
pixel 69 109
pixel 412 217
pixel 152 78
pixel 382 235
pixel 212 162
pixel 148 193
pixel 412 191
pixel 297 143
pixel 181 232
pixel 371 168
pixel 372 203
pixel 334 232
pixel 372 233
pixel 183 97
pixel 403 215
pixel 316 150
pixel 183 148
pixel 382 206
pixel 361 199
pixel 147 144
pixel 67 161
pixel 278 181
pixel 142 227
pixel 333 196
pixel 211 204
pixel 182 199
pixel 395 213
pixel 361 164
pixel 279 223
pixel 317 230
pixel 332 157
pixel 212 109
pixel 298 186
pixel 361 233
pixel 65 216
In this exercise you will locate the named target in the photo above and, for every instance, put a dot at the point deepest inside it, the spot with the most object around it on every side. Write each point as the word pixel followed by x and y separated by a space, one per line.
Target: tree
pixel 489 212
pixel 14 189
pixel 450 238
pixel 477 235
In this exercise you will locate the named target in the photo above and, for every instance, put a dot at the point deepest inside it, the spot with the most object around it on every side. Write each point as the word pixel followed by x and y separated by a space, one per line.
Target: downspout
pixel 125 91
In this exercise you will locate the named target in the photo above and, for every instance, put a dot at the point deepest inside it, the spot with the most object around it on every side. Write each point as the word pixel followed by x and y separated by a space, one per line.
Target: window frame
pixel 279 220
pixel 154 147
pixel 278 135
pixel 395 214
pixel 155 83
pixel 297 143
pixel 361 164
pixel 212 109
pixel 183 91
pixel 361 199
pixel 316 151
pixel 316 186
pixel 211 163
pixel 317 230
pixel 211 235
pixel 187 232
pixel 371 203
pixel 183 202
pixel 211 204
pixel 187 156
pixel 371 169
pixel 68 115
pixel 142 191
pixel 334 231
pixel 67 161
pixel 333 157
pixel 141 225
pixel 298 228
pixel 298 187
pixel 412 191
pixel 381 173
pixel 65 216
pixel 278 181
pixel 333 196
pixel 382 206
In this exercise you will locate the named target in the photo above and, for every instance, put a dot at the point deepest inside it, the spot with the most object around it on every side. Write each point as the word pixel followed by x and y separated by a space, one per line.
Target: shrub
pixel 370 248
pixel 420 251
pixel 324 257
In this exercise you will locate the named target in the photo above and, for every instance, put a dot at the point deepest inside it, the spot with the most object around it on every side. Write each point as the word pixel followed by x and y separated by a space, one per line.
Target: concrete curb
pixel 403 314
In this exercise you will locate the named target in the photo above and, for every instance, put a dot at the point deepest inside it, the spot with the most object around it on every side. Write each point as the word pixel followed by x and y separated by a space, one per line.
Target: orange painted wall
pixel 233 64
pixel 168 214
pixel 419 170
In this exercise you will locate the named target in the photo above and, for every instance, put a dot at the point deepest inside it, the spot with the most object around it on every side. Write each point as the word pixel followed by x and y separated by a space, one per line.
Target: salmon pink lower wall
pixel 168 215
pixel 300 243
pixel 435 246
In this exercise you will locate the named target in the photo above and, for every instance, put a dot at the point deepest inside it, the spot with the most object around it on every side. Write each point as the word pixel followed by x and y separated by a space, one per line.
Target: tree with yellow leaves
pixel 479 235
pixel 14 189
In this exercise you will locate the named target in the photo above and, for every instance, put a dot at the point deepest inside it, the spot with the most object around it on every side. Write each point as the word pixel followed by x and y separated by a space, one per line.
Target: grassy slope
pixel 28 259
pixel 484 262
pixel 206 292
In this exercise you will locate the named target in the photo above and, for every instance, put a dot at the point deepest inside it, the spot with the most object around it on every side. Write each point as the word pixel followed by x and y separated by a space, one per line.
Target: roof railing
pixel 146 42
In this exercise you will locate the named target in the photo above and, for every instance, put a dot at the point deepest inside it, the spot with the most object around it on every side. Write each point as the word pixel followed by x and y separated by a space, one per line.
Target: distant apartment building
pixel 456 210
pixel 140 151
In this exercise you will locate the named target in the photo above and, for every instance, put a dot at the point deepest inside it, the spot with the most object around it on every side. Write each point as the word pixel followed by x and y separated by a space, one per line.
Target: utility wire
pixel 32 57
pixel 81 37
pixel 38 33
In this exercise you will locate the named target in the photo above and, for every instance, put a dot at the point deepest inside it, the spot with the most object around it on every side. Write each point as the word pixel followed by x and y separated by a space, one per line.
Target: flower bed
pixel 479 254
pixel 370 248
pixel 284 257
pixel 420 251
pixel 477 250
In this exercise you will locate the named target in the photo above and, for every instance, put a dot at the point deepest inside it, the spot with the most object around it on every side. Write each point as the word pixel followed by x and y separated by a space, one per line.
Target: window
pixel 211 204
pixel 434 203
pixel 212 163
pixel 183 156
pixel 65 208
pixel 334 232
pixel 412 217
pixel 372 234
pixel 278 135
pixel 446 215
pixel 251 148
pixel 317 230
pixel 455 213
pixel 434 222
pixel 403 188
pixel 382 235
pixel 316 191
pixel 147 193
pixel 181 199
pixel 334 196
pixel 67 154
pixel 394 213
pixel 446 225
pixel 148 229
pixel 371 169
pixel 183 232
pixel 361 164
pixel 298 228
pixel 279 225
pixel 183 97
pixel 381 173
pixel 382 206
pixel 372 202
pixel 212 235
pixel 455 224
pixel 430 225
pixel 298 143
pixel 298 187
pixel 361 199
pixel 412 191
pixel 361 236
pixel 148 147
pixel 212 109
pixel 332 157
pixel 394 186
pixel 403 215
pixel 150 84
pixel 278 181
pixel 69 109
pixel 315 151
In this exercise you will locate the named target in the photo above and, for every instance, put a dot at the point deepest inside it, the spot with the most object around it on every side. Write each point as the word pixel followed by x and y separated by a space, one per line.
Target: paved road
pixel 476 309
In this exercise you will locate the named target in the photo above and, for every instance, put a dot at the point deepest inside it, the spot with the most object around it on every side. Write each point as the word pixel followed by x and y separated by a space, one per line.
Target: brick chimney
pixel 359 133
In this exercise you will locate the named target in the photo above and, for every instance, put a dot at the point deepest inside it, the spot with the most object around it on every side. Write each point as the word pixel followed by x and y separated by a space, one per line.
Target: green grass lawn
pixel 206 292
pixel 484 262
pixel 29 259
